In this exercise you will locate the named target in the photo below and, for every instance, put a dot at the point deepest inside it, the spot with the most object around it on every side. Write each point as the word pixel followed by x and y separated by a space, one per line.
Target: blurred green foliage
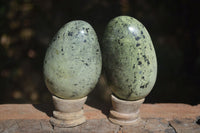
pixel 27 27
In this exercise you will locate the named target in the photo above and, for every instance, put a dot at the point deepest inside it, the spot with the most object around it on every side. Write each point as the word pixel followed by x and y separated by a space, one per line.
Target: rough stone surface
pixel 72 64
pixel 149 126
pixel 185 126
pixel 44 111
pixel 156 118
pixel 25 126
pixel 129 58
pixel 170 111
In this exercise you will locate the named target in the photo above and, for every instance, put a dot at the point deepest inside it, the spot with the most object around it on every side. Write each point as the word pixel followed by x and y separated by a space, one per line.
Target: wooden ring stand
pixel 68 113
pixel 125 112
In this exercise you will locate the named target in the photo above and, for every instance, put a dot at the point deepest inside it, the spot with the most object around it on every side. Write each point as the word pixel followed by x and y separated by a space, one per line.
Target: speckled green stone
pixel 129 58
pixel 72 64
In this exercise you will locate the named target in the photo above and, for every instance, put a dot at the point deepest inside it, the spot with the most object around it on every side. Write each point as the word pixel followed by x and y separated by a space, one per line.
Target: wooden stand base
pixel 68 113
pixel 124 112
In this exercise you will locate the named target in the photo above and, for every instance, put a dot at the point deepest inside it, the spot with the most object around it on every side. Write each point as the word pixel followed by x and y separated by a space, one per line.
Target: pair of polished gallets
pixel 73 64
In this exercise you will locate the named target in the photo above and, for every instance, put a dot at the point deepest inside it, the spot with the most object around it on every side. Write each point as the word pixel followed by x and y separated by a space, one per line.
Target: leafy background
pixel 27 26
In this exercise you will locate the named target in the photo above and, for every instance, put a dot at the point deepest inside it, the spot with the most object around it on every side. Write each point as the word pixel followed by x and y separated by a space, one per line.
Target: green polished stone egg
pixel 129 58
pixel 72 63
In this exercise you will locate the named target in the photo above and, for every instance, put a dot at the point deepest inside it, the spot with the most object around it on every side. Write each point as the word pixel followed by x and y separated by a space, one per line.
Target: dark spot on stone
pixel 118 41
pixel 143 36
pixel 129 94
pixel 58 36
pixel 139 62
pixel 75 84
pixel 86 64
pixel 126 80
pixel 77 34
pixel 62 53
pixel 140 72
pixel 138 59
pixel 137 45
pixel 142 77
pixel 70 33
pixel 144 86
pixel 148 63
pixel 129 86
pixel 146 59
pixel 82 60
pixel 177 121
pixel 58 74
pixel 74 94
pixel 45 62
pixel 97 50
pixel 54 40
pixel 85 41
pixel 121 37
pixel 133 66
pixel 137 38
pixel 87 30
pixel 92 38
pixel 141 32
pixel 62 49
pixel 134 81
pixel 125 25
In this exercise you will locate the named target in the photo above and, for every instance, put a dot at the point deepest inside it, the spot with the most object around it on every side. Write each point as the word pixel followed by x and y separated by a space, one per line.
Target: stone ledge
pixel 165 111
pixel 169 118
